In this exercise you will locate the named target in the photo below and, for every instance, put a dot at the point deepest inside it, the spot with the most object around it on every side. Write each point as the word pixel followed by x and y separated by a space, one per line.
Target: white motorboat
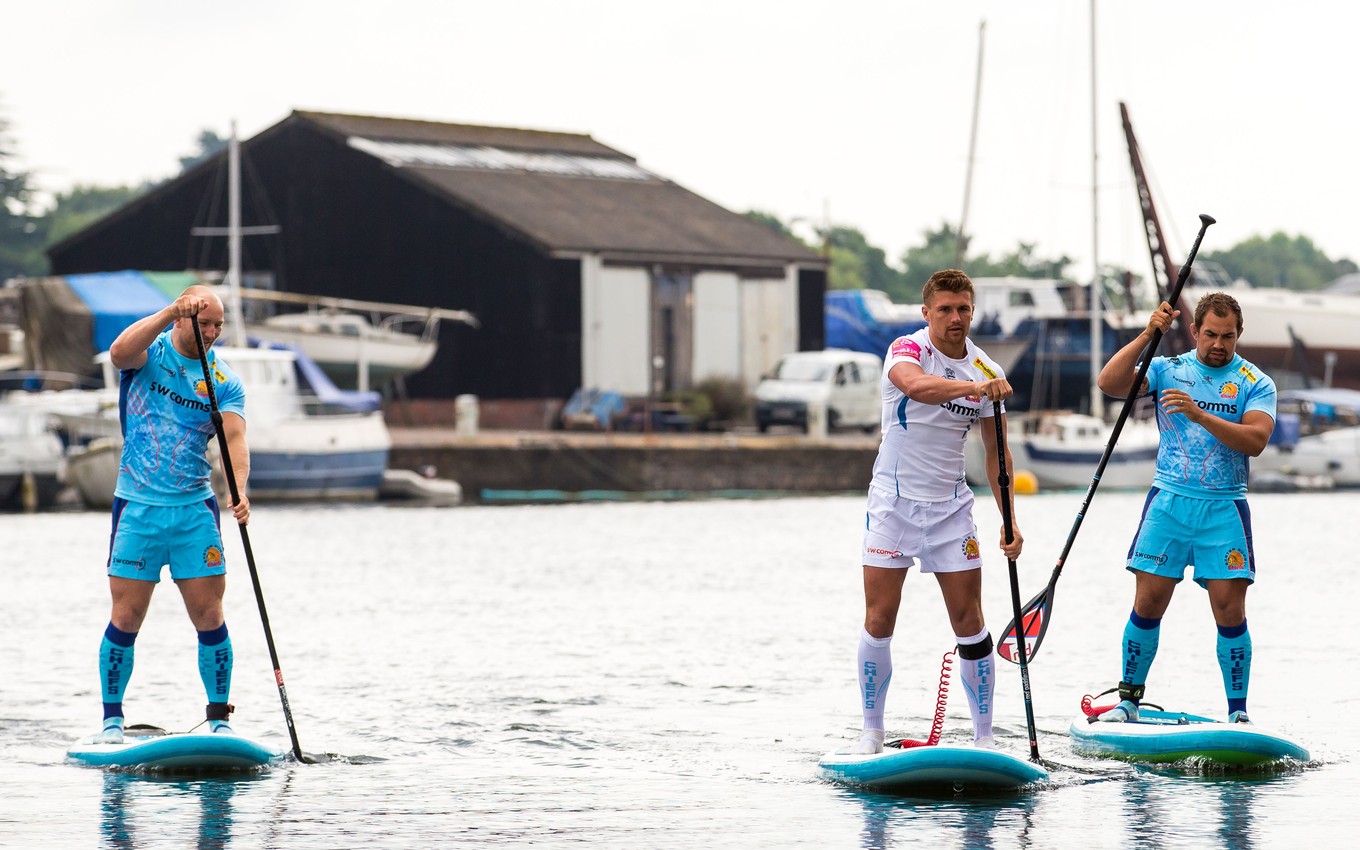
pixel 1062 450
pixel 32 466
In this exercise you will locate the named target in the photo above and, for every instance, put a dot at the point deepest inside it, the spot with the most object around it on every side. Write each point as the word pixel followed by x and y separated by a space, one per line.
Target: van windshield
pixel 802 370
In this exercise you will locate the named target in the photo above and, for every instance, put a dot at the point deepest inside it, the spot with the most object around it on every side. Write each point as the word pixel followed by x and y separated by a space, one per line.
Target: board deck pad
pixel 153 749
pixel 944 766
pixel 1172 736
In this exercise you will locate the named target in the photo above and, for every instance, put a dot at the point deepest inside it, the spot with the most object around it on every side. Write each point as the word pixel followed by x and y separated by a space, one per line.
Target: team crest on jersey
pixel 1235 560
pixel 1228 390
pixel 1247 374
pixel 212 557
pixel 906 347
pixel 970 548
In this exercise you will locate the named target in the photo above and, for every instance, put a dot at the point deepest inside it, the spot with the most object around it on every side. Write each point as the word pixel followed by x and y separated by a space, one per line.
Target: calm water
pixel 648 675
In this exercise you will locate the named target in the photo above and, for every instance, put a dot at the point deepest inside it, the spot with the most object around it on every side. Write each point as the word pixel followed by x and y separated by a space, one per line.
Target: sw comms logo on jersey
pixel 1228 390
pixel 970 548
pixel 212 557
pixel 905 347
pixel 891 553
pixel 1235 560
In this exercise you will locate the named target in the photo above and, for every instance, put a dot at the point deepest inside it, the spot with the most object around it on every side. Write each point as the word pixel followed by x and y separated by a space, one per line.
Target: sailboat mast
pixel 961 244
pixel 237 326
pixel 1094 305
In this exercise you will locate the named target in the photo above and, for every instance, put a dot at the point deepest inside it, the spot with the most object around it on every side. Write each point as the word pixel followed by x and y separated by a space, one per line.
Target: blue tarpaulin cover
pixel 116 299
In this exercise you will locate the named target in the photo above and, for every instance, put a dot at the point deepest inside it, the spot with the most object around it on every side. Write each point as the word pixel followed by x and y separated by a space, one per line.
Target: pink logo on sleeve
pixel 905 347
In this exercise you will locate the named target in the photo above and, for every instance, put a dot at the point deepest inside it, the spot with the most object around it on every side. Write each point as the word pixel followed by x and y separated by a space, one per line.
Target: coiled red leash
pixel 941 698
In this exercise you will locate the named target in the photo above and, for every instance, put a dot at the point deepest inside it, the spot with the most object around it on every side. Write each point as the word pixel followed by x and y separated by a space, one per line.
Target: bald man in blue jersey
pixel 1214 411
pixel 164 510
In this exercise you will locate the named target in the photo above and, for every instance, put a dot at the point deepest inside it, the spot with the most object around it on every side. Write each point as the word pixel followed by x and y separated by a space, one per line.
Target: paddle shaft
pixel 245 538
pixel 1124 411
pixel 1003 482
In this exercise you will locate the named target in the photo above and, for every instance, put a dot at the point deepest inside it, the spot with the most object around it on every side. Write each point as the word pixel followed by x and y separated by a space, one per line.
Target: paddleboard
pixel 152 748
pixel 960 768
pixel 1168 736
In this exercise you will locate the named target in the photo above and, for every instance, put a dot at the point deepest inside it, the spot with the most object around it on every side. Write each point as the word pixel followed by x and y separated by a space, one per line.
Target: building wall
pixel 615 327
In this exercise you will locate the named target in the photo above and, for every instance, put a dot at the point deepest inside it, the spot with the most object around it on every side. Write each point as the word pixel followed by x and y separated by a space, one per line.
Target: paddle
pixel 1003 481
pixel 1035 617
pixel 245 542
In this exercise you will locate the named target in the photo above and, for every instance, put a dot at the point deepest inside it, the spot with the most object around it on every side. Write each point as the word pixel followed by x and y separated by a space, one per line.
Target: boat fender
pixel 976 651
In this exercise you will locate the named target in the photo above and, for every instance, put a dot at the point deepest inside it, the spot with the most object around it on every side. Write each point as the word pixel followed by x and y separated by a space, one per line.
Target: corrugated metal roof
pixel 564 191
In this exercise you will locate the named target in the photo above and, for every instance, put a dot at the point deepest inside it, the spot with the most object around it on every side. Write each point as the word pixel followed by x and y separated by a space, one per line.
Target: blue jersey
pixel 167 423
pixel 1190 460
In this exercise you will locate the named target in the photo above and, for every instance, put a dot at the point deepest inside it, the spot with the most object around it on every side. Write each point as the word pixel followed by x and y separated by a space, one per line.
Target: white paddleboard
pixel 153 749
pixel 944 766
pixel 1170 736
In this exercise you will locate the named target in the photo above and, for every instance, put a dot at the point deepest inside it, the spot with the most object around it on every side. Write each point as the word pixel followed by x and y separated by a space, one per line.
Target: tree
pixel 209 143
pixel 1281 261
pixel 82 206
pixel 20 231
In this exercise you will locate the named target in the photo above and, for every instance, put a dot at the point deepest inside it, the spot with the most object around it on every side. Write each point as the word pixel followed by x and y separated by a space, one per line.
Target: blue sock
pixel 214 663
pixel 115 668
pixel 1141 635
pixel 1234 659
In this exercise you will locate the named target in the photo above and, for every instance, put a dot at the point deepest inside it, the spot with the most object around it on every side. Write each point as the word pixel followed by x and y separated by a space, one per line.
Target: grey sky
pixel 797 107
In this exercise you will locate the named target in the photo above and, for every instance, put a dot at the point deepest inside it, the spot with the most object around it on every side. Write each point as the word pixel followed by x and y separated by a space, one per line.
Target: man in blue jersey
pixel 1214 411
pixel 936 386
pixel 164 510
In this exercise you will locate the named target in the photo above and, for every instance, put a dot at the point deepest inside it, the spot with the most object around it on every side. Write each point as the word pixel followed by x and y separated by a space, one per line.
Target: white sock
pixel 875 671
pixel 979 678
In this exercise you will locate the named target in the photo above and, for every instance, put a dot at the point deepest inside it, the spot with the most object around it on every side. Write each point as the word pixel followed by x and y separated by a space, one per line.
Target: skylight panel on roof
pixel 484 157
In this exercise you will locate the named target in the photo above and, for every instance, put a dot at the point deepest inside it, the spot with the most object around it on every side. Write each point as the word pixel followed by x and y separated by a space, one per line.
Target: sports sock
pixel 215 662
pixel 1141 635
pixel 115 668
pixel 1234 660
pixel 875 671
pixel 977 665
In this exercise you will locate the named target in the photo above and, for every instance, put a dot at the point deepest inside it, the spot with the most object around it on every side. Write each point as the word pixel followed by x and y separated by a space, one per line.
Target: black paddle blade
pixel 1035 615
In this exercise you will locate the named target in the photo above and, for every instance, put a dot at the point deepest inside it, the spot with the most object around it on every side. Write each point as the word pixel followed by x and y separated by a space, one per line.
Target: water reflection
pixel 984 823
pixel 137 809
pixel 1161 808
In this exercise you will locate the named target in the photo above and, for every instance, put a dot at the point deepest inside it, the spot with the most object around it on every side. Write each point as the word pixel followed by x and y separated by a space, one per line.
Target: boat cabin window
pixel 1021 298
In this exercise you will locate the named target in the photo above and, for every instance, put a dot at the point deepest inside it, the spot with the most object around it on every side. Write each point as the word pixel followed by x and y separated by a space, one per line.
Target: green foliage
pixel 20 229
pixel 209 143
pixel 726 397
pixel 1281 261
pixel 82 206
pixel 940 251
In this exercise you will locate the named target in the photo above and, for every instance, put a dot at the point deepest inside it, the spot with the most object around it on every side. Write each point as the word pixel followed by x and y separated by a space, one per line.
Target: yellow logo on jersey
pixel 1247 374
pixel 984 368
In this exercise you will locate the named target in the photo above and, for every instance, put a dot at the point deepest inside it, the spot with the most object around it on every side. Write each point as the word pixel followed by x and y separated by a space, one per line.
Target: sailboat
pixel 1062 449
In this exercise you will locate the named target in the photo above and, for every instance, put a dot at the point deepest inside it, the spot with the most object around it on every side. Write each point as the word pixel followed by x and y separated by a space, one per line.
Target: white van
pixel 846 382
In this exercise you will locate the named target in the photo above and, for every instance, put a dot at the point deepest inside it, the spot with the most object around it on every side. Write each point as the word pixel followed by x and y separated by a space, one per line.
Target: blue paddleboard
pixel 153 749
pixel 1167 736
pixel 959 768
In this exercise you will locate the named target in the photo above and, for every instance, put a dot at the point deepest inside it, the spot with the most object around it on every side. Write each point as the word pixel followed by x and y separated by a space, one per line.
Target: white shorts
pixel 940 535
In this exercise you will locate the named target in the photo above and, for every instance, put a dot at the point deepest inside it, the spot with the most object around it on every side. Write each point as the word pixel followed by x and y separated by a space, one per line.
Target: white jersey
pixel 921 456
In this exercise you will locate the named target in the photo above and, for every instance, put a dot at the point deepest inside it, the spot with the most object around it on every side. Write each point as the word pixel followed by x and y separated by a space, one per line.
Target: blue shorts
pixel 1212 535
pixel 147 537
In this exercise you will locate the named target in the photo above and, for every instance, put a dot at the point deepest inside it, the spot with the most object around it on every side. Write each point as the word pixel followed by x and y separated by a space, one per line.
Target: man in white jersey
pixel 164 510
pixel 936 386
pixel 1214 411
